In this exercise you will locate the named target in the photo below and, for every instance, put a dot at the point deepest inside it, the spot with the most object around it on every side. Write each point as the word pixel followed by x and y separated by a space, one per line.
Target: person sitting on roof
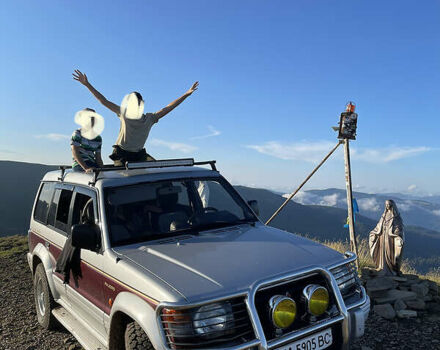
pixel 135 127
pixel 86 142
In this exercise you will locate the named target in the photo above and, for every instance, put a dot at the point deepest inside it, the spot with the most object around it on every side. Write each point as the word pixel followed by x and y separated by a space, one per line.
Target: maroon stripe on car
pixel 94 285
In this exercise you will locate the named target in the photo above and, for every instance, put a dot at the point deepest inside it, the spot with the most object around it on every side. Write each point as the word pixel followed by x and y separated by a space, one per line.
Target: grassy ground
pixel 366 261
pixel 13 245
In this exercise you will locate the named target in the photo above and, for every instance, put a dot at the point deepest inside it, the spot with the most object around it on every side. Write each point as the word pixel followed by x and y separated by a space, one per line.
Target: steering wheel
pixel 204 210
pixel 210 209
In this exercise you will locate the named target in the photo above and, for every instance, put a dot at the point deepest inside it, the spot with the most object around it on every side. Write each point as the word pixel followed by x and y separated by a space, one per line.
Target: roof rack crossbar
pixel 160 163
pixel 210 162
pixel 63 171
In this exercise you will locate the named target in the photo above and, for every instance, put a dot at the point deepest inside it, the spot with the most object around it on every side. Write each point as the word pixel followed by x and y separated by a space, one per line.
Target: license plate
pixel 316 341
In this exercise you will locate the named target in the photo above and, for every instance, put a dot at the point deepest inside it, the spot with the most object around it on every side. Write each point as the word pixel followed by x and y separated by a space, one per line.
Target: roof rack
pixel 160 163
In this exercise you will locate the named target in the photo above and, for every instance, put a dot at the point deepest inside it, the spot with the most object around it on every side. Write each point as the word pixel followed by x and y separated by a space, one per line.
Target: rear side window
pixel 63 210
pixel 44 199
pixel 53 208
pixel 59 209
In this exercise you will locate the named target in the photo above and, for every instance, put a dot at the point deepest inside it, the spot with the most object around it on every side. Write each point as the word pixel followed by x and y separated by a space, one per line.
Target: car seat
pixel 173 217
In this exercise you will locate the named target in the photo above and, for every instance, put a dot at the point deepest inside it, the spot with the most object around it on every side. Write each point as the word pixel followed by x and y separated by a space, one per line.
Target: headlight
pixel 213 318
pixel 217 325
pixel 317 299
pixel 283 311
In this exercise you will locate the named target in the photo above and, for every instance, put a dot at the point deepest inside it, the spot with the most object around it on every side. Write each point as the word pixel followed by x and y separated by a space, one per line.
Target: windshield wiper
pixel 220 224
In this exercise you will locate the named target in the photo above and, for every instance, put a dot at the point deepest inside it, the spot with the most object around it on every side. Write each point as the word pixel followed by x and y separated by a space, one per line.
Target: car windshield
pixel 148 211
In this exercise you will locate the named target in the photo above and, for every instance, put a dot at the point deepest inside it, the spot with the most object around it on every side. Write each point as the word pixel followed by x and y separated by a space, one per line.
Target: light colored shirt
pixel 134 132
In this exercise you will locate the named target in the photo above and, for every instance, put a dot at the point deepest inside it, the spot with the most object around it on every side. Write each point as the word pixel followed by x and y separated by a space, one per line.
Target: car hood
pixel 227 260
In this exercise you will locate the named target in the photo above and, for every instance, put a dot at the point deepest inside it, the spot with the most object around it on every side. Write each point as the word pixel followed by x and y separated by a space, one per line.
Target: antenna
pixel 346 131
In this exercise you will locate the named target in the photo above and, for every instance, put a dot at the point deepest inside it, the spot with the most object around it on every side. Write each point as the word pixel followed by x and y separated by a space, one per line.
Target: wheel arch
pixel 41 255
pixel 129 307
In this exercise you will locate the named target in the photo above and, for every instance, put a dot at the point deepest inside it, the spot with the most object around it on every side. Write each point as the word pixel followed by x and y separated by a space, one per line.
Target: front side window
pixel 148 211
pixel 83 212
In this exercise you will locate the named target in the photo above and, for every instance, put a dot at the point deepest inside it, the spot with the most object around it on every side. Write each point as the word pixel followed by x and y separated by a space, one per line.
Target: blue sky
pixel 274 76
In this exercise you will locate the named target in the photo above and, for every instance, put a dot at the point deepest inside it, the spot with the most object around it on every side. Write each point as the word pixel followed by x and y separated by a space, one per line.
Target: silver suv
pixel 167 255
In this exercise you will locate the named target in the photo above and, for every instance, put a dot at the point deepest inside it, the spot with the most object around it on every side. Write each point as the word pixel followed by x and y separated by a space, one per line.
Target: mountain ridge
pixel 315 221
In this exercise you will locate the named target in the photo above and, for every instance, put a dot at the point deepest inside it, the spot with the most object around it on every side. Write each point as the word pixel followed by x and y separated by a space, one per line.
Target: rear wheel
pixel 135 338
pixel 44 302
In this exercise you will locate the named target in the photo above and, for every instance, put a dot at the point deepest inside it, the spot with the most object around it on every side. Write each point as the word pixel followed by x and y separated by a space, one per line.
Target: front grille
pixel 293 289
pixel 348 281
pixel 183 328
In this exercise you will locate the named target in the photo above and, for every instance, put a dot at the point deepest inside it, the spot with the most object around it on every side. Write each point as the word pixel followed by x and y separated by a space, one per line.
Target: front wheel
pixel 136 339
pixel 44 302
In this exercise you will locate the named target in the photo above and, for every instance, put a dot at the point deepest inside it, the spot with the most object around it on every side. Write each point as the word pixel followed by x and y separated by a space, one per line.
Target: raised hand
pixel 82 78
pixel 193 88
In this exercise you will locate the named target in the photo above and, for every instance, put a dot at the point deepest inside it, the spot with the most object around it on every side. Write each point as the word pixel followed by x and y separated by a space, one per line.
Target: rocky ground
pixel 405 313
pixel 19 329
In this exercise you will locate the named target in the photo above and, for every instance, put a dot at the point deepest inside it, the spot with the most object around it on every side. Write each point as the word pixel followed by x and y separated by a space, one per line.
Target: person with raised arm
pixel 135 125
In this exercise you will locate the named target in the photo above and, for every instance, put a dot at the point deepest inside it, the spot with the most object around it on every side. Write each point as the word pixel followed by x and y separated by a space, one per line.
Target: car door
pixel 85 293
pixel 56 232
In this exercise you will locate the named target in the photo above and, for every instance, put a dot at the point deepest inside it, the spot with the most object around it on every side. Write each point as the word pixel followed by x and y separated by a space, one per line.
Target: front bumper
pixel 357 317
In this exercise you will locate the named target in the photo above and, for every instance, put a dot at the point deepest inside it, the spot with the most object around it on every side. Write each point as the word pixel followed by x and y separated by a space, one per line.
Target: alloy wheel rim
pixel 40 297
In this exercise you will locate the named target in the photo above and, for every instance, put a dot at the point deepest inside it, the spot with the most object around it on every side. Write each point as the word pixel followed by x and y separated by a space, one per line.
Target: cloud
pixel 308 198
pixel 315 151
pixel 387 154
pixel 412 187
pixel 303 197
pixel 53 137
pixel 330 200
pixel 405 206
pixel 213 132
pixel 368 204
pixel 173 146
pixel 305 151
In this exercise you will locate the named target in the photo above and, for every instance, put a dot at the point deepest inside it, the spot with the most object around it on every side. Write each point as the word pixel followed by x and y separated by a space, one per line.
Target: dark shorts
pixel 120 156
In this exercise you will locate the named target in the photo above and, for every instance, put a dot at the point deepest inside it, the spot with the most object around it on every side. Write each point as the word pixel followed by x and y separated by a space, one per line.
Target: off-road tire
pixel 135 338
pixel 44 303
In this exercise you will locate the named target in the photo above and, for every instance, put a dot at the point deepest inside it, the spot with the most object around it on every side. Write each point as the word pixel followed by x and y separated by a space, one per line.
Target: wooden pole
pixel 303 183
pixel 353 243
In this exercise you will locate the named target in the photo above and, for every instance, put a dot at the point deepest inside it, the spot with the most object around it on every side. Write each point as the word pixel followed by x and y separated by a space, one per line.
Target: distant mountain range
pixel 19 184
pixel 417 211
pixel 323 221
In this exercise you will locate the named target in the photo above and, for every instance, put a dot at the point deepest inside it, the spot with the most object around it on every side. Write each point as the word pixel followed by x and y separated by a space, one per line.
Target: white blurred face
pixel 92 124
pixel 132 107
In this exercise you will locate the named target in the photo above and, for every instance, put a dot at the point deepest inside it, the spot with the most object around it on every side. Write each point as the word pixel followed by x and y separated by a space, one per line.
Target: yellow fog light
pixel 283 311
pixel 317 299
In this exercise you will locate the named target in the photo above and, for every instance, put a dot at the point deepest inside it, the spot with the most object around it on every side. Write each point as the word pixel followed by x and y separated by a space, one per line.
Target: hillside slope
pixel 19 184
pixel 423 212
pixel 326 223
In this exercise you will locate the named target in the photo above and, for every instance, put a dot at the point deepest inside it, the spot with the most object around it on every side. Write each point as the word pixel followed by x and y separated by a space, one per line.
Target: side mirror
pixel 254 206
pixel 86 236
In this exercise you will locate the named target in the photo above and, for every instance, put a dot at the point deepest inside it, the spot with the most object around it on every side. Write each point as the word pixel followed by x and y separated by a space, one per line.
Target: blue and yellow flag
pixel 355 210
